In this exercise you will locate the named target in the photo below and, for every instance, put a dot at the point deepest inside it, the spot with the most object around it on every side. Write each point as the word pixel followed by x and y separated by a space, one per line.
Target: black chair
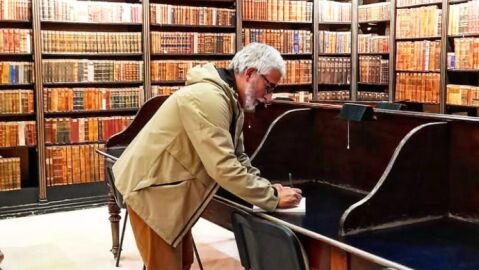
pixel 264 245
pixel 110 178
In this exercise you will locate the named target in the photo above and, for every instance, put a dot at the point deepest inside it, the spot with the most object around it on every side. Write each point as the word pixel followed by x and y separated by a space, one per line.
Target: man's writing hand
pixel 288 197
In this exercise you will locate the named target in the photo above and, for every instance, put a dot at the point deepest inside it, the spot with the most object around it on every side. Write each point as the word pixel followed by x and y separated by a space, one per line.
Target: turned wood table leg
pixel 114 218
pixel 1 258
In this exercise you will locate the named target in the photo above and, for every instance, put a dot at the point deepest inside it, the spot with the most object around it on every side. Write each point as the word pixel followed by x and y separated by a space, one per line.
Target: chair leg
pixel 121 239
pixel 197 254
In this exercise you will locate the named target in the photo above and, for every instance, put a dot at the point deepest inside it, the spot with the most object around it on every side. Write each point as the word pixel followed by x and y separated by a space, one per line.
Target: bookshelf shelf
pixel 77 143
pixel 92 113
pixel 417 71
pixel 416 102
pixel 385 54
pixel 418 38
pixel 336 23
pixel 335 84
pixel 288 56
pixel 277 24
pixel 93 84
pixel 334 54
pixel 16 86
pixel 464 35
pixel 16 116
pixel 96 24
pixel 72 54
pixel 16 54
pixel 93 56
pixel 194 27
pixel 373 84
pixel 170 55
pixel 458 1
pixel 463 106
pixel 463 70
pixel 169 82
pixel 420 5
pixel 374 21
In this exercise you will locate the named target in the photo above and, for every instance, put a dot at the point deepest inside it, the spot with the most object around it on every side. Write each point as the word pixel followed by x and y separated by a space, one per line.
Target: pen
pixel 290 179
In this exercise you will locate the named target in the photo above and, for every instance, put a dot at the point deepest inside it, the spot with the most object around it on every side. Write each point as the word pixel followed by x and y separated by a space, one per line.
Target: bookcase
pixel 72 73
pixel 184 34
pixel 336 50
pixel 462 58
pixel 18 145
pixel 286 25
pixel 374 50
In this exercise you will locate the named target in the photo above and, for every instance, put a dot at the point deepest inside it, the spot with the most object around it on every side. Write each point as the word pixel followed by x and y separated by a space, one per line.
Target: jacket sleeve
pixel 206 120
pixel 244 158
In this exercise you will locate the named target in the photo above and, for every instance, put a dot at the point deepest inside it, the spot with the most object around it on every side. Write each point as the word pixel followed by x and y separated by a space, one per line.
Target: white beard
pixel 250 101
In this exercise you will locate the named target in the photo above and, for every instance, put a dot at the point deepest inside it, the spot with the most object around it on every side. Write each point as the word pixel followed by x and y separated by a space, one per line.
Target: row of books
pixel 15 10
pixel 191 43
pixel 405 3
pixel 372 43
pixel 373 69
pixel 330 11
pixel 418 87
pixel 465 55
pixel 334 70
pixel 16 101
pixel 372 96
pixel 157 90
pixel 186 15
pixel 285 41
pixel 80 70
pixel 334 95
pixel 298 71
pixel 16 72
pixel 418 22
pixel 464 18
pixel 91 99
pixel 81 130
pixel 334 42
pixel 74 164
pixel 90 42
pixel 418 55
pixel 10 174
pixel 300 96
pixel 15 40
pixel 277 10
pixel 90 11
pixel 22 133
pixel 173 70
pixel 374 12
pixel 466 95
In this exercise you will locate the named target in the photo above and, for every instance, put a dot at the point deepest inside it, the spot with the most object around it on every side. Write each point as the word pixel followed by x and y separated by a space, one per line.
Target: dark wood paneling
pixel 464 170
pixel 416 185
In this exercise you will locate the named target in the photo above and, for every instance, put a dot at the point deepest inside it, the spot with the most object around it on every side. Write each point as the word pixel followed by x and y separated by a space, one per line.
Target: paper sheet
pixel 300 209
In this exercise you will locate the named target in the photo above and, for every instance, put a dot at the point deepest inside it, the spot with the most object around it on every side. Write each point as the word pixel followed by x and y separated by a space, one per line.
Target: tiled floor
pixel 80 240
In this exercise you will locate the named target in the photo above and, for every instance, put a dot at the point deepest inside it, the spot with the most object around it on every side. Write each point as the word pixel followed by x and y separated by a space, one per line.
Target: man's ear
pixel 249 71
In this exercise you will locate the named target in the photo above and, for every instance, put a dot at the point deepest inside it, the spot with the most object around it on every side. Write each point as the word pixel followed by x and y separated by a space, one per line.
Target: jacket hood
pixel 207 73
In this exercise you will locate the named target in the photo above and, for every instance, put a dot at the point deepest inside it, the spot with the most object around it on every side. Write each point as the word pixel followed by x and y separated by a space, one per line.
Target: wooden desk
pixel 414 174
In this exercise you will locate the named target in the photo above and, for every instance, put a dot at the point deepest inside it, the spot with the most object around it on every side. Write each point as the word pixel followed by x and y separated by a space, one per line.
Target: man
pixel 191 146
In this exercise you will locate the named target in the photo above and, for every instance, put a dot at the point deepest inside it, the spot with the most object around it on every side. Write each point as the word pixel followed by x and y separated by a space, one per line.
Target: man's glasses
pixel 269 86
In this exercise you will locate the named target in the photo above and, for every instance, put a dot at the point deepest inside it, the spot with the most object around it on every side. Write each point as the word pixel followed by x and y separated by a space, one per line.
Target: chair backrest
pixel 110 178
pixel 264 245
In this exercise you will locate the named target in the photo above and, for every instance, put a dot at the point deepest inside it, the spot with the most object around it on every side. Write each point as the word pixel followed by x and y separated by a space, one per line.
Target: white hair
pixel 260 56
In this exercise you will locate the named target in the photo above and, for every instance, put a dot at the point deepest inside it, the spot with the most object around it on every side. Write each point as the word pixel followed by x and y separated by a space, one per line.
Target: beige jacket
pixel 170 171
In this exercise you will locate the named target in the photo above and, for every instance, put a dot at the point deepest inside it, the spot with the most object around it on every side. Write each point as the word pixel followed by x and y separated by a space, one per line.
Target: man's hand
pixel 288 197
